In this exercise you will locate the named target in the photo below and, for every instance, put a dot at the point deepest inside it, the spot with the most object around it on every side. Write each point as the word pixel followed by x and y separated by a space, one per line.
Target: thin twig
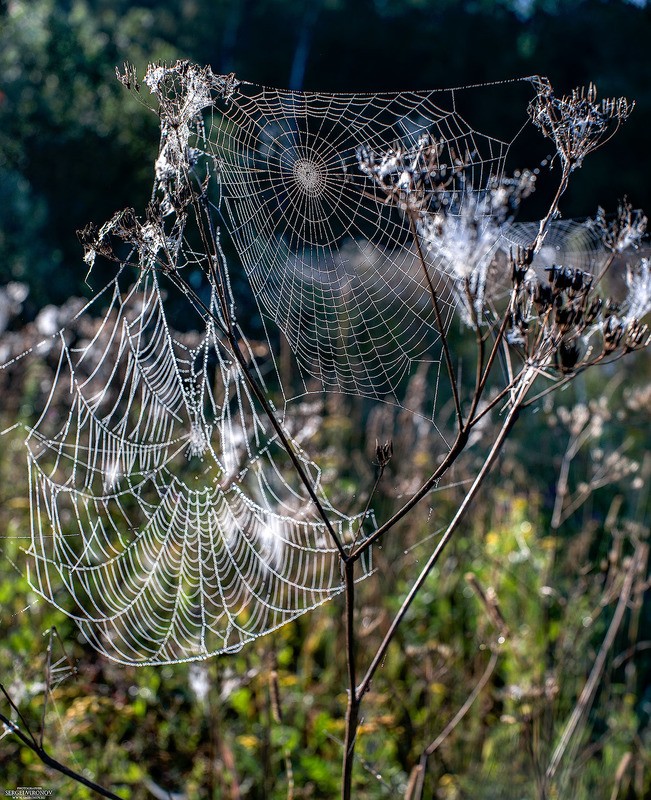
pixel 492 355
pixel 444 540
pixel 181 284
pixel 277 714
pixel 419 779
pixel 481 348
pixel 439 321
pixel 622 658
pixel 620 774
pixel 461 713
pixel 20 716
pixel 51 762
pixel 457 447
pixel 587 695
pixel 604 269
pixel 367 508
pixel 601 358
pixel 500 625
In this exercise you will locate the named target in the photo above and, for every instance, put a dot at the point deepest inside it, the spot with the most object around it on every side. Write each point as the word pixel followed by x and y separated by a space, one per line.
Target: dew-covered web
pixel 304 180
pixel 568 241
pixel 164 518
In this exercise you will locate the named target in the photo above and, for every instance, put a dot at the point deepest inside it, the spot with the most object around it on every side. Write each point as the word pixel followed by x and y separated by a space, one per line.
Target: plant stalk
pixel 352 710
pixel 47 759
pixel 443 542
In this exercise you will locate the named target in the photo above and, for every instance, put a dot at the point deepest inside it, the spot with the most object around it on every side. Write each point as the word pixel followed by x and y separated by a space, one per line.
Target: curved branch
pixel 51 762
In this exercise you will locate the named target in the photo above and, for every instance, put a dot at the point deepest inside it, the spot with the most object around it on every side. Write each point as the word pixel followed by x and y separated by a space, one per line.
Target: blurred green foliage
pixel 211 729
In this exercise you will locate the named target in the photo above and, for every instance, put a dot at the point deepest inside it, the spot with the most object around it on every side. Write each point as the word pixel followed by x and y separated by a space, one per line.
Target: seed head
pixel 383 452
pixel 576 123
pixel 625 231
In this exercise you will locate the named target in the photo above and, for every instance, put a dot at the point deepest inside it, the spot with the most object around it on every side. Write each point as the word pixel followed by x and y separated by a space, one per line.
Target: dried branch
pixel 580 711
pixel 30 742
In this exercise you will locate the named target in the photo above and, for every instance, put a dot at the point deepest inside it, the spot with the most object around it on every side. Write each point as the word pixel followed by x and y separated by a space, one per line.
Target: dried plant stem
pixel 417 791
pixel 630 652
pixel 354 699
pixel 357 693
pixel 457 447
pixel 277 716
pixel 260 395
pixel 49 761
pixel 527 379
pixel 482 378
pixel 553 208
pixel 461 713
pixel 587 695
pixel 481 351
pixel 604 269
pixel 439 320
pixel 19 714
pixel 601 477
pixel 262 399
pixel 414 788
pixel 219 284
pixel 469 498
pixel 367 507
pixel 620 774
pixel 573 446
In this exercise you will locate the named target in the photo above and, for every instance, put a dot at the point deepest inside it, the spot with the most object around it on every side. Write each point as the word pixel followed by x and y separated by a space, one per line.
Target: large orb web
pixel 329 259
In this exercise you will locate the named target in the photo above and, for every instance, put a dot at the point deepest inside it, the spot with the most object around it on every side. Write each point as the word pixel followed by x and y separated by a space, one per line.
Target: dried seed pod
pixel 568 353
pixel 128 77
pixel 625 231
pixel 635 336
pixel 568 279
pixel 581 282
pixel 576 123
pixel 565 318
pixel 611 308
pixel 593 310
pixel 516 334
pixel 542 297
pixel 383 452
pixel 613 332
pixel 520 264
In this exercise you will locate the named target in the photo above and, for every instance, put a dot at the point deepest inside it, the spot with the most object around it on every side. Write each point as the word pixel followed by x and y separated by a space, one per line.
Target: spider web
pixel 330 261
pixel 162 507
pixel 166 517
pixel 568 241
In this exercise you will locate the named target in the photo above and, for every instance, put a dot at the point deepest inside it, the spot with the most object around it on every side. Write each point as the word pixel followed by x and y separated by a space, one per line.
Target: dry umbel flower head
pixel 577 123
